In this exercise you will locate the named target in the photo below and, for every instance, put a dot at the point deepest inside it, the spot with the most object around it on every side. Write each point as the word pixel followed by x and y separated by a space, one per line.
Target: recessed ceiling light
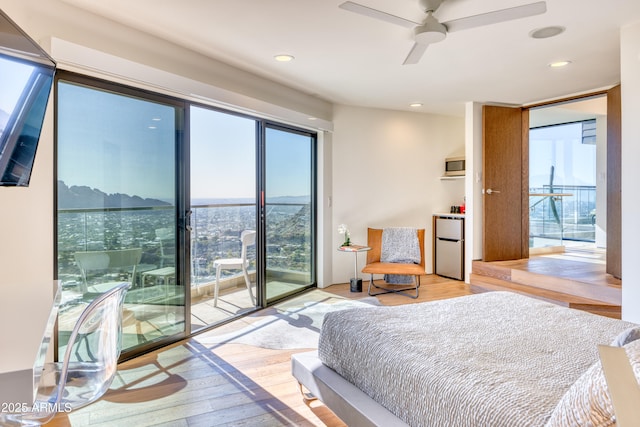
pixel 546 32
pixel 416 104
pixel 283 58
pixel 313 118
pixel 559 64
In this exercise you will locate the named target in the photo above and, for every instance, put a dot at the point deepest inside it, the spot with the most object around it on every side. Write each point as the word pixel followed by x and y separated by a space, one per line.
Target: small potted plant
pixel 343 229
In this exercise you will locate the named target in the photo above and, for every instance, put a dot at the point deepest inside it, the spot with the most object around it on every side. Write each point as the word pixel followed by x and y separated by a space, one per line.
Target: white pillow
pixel 587 402
pixel 626 336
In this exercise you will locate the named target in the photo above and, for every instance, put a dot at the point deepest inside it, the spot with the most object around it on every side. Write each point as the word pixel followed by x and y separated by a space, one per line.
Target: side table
pixel 355 283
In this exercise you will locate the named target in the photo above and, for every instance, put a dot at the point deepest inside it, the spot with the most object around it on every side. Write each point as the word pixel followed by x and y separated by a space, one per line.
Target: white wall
pixel 630 86
pixel 473 185
pixel 325 246
pixel 26 228
pixel 386 172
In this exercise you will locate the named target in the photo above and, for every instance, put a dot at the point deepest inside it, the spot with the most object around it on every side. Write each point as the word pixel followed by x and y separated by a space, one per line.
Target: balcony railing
pixel 215 234
pixel 562 212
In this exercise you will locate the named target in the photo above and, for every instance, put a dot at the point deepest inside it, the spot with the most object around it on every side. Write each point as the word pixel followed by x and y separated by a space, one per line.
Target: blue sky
pixel 125 145
pixel 115 144
pixel 222 155
pixel 288 164
pixel 223 158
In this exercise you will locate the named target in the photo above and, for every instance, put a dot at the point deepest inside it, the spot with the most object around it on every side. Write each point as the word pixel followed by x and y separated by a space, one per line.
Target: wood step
pixel 590 282
pixel 607 294
pixel 482 283
pixel 491 270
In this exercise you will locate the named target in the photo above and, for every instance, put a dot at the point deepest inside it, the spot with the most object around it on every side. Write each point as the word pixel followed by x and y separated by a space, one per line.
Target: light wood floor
pixel 229 385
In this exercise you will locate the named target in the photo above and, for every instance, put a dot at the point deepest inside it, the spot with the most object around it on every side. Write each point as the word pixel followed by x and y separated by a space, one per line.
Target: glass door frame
pixel 180 214
pixel 187 208
pixel 261 126
pixel 261 241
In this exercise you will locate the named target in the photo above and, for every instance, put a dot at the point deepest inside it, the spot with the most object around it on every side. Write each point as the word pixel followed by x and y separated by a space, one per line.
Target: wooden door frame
pixel 525 169
pixel 614 230
pixel 614 182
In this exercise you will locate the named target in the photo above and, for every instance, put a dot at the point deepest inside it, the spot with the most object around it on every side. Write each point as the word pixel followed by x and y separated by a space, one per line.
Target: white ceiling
pixel 351 59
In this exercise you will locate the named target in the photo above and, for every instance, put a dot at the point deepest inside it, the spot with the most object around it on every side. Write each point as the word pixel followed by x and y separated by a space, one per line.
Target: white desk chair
pixel 248 238
pixel 103 262
pixel 89 366
pixel 167 240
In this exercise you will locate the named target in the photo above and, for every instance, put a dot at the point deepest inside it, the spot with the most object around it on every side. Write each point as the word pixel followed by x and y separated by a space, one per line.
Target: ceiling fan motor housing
pixel 430 32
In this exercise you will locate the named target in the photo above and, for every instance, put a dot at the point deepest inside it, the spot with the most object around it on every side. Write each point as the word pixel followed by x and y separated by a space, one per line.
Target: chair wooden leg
pixel 306 395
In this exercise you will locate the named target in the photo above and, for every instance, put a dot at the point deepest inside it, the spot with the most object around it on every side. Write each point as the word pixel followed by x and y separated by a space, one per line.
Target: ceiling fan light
pixel 430 32
pixel 283 58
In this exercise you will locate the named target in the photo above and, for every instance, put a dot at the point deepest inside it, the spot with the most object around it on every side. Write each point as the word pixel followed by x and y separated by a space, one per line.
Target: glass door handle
pixel 187 221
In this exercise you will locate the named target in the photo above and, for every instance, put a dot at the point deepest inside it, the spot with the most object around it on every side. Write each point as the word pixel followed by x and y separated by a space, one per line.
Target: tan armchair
pixel 374 266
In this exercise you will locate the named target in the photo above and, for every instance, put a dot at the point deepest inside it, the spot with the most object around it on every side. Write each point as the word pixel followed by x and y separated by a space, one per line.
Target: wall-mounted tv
pixel 26 77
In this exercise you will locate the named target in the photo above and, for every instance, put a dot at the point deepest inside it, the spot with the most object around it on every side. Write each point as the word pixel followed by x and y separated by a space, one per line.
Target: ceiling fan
pixel 430 30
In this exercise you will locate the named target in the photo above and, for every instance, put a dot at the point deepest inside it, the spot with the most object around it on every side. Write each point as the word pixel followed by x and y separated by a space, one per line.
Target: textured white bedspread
pixel 493 359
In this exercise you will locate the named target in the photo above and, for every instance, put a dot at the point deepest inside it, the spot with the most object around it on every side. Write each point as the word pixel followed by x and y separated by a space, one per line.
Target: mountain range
pixel 83 197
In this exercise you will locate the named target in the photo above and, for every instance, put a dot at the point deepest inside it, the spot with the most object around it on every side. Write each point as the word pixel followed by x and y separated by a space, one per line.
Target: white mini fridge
pixel 449 246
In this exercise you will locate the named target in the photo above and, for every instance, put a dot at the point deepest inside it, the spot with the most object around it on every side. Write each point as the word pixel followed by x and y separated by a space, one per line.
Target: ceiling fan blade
pixel 497 16
pixel 376 14
pixel 415 54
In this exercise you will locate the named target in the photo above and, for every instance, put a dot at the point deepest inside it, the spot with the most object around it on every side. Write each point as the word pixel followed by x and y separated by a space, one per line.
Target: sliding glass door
pixel 228 153
pixel 288 211
pixel 207 213
pixel 223 212
pixel 117 209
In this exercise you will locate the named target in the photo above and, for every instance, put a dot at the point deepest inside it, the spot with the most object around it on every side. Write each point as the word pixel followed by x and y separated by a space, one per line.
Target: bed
pixel 492 359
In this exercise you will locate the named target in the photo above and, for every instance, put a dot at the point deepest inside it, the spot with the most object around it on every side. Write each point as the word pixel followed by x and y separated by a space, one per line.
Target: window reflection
pixel 116 202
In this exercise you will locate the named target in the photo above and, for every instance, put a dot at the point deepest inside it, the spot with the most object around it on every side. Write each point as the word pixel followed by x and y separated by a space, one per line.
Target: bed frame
pixel 348 402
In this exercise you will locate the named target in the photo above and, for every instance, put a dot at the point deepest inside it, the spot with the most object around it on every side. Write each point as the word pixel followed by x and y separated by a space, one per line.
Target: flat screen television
pixel 26 78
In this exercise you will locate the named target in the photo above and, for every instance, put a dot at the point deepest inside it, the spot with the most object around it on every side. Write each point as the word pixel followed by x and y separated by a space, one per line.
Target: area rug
pixel 288 326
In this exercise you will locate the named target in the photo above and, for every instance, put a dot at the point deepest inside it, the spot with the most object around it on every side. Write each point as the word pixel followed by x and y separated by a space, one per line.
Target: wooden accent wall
pixel 614 182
